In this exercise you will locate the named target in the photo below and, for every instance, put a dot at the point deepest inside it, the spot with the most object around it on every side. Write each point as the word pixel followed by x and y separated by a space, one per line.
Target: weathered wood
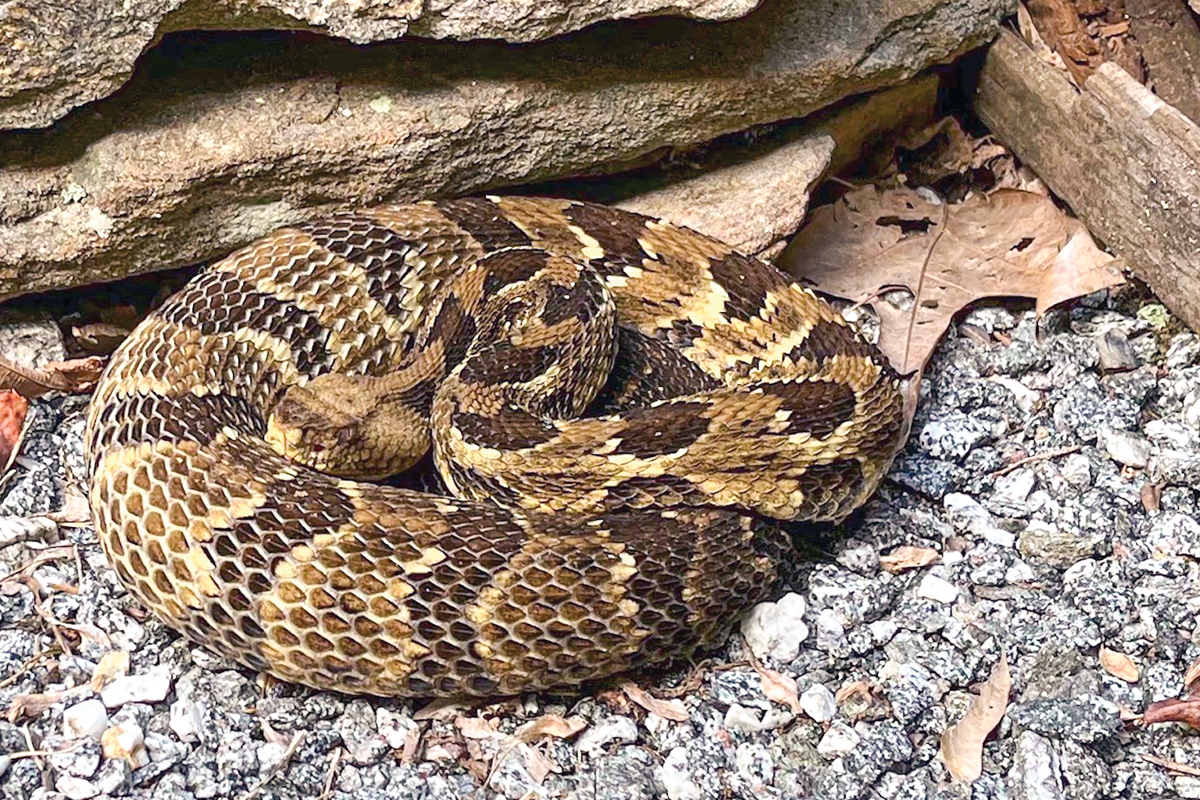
pixel 1170 43
pixel 1126 162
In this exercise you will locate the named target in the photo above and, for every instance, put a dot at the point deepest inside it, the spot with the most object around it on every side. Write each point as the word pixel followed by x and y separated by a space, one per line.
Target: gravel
pixel 1025 474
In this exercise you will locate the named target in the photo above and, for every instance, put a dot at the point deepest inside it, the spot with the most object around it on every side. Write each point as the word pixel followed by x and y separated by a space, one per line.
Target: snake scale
pixel 622 410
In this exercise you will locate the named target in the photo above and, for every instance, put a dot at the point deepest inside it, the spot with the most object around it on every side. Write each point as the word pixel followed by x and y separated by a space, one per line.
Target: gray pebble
pixel 1086 718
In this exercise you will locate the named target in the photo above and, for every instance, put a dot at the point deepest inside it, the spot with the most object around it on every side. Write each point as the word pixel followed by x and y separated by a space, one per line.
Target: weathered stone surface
pixel 216 143
pixel 757 204
pixel 61 55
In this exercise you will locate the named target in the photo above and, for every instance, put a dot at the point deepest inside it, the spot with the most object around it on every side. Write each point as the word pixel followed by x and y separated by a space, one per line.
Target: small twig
pixel 691 683
pixel 1174 766
pixel 41 753
pixel 278 768
pixel 39 608
pixel 1062 451
pixel 335 759
pixel 29 664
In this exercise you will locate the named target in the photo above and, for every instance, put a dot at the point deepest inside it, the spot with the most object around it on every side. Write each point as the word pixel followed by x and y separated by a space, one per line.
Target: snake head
pixel 335 424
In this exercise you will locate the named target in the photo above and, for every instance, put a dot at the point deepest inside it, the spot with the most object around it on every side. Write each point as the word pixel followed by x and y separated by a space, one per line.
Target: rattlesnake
pixel 570 549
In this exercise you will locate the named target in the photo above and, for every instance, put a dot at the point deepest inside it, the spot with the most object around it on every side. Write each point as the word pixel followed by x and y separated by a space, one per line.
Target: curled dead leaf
pixel 962 744
pixel 477 728
pixel 908 557
pixel 667 709
pixel 551 725
pixel 32 705
pixel 100 337
pixel 446 708
pixel 1009 243
pixel 1192 675
pixel 1186 710
pixel 13 411
pixel 779 687
pixel 1119 665
pixel 75 510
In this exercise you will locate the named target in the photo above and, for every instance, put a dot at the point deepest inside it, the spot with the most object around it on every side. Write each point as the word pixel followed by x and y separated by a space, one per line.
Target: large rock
pixel 756 205
pixel 60 55
pixel 215 144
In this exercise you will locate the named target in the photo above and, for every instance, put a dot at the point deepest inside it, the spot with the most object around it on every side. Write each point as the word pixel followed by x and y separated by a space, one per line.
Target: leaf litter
pixel 944 257
pixel 962 744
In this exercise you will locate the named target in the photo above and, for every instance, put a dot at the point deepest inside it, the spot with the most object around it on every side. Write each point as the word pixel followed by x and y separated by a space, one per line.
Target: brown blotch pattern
pixel 816 407
pixel 368 589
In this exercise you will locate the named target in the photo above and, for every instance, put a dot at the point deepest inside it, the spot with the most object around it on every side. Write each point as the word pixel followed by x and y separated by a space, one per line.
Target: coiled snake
pixel 572 548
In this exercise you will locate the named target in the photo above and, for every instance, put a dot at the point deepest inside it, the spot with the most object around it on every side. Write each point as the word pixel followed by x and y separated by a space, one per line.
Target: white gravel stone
pixel 966 514
pixel 187 716
pixel 818 703
pixel 1026 398
pixel 1187 786
pixel 1019 572
pixel 394 727
pixel 677 778
pixel 1077 470
pixel 1163 432
pixel 1183 351
pixel 740 718
pixel 1127 448
pixel 954 435
pixel 753 761
pixel 270 754
pixel 1001 537
pixel 830 631
pixel 148 687
pixel 87 719
pixel 76 788
pixel 1015 486
pixel 776 630
pixel 937 589
pixel 882 631
pixel 613 729
pixel 838 741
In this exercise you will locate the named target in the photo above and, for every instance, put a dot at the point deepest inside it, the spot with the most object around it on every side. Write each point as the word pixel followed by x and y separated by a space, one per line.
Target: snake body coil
pixel 574 548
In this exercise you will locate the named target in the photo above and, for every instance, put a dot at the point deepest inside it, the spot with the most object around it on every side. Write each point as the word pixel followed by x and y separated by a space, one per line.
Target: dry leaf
pixel 77 374
pixel 477 728
pixel 1192 674
pixel 13 410
pixel 112 665
pixel 1151 497
pixel 539 765
pixel 962 744
pixel 441 708
pixel 1119 665
pixel 779 687
pixel 75 511
pixel 31 705
pixel 27 381
pixel 551 725
pixel 1174 710
pixel 858 689
pixel 667 709
pixel 908 557
pixel 1009 243
pixel 412 740
pixel 100 337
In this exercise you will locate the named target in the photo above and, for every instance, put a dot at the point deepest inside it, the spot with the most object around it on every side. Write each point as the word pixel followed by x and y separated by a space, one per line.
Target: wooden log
pixel 1126 162
pixel 1170 42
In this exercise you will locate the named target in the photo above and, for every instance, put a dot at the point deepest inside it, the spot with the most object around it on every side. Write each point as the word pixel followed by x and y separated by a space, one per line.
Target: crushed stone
pixel 1031 454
